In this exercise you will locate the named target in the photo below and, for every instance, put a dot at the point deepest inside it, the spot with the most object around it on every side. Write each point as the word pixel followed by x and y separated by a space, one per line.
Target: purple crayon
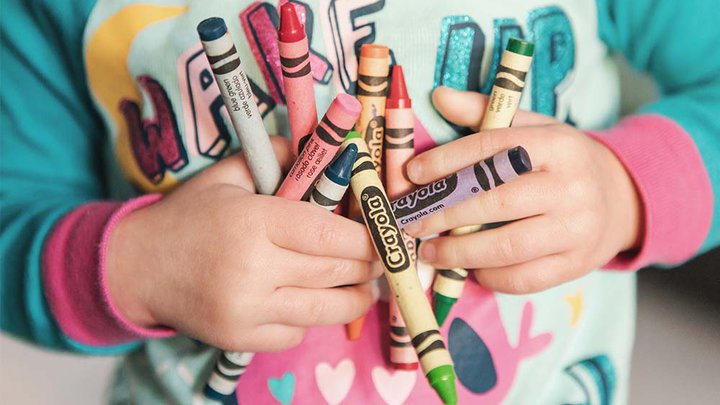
pixel 458 187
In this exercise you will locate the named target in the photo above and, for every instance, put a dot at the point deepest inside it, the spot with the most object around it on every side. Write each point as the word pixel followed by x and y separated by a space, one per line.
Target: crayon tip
pixel 405 366
pixel 291 29
pixel 443 304
pixel 353 135
pixel 442 379
pixel 374 51
pixel 211 28
pixel 520 160
pixel 212 394
pixel 341 169
pixel 398 96
pixel 520 47
pixel 354 328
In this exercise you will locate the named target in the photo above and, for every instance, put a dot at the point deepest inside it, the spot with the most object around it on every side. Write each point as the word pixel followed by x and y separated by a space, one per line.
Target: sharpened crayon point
pixel 398 96
pixel 520 47
pixel 211 29
pixel 443 304
pixel 354 329
pixel 291 29
pixel 341 170
pixel 374 51
pixel 520 160
pixel 442 379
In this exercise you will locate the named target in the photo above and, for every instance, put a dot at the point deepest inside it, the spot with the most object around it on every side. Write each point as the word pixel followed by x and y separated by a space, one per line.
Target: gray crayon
pixel 240 102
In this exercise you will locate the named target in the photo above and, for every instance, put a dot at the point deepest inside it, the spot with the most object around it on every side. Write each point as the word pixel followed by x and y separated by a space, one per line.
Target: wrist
pixel 125 259
pixel 629 207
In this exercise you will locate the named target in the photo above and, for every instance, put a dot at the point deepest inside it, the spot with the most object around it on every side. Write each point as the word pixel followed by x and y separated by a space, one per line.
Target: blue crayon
pixel 331 187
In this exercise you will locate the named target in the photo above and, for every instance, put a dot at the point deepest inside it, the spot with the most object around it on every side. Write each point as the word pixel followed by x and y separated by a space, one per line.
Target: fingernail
pixel 414 228
pixel 427 252
pixel 414 171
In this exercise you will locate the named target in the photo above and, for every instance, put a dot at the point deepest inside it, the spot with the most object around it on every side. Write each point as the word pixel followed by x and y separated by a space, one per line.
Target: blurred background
pixel 677 348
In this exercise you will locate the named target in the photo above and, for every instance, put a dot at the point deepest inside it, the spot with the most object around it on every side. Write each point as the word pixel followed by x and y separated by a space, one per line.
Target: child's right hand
pixel 239 271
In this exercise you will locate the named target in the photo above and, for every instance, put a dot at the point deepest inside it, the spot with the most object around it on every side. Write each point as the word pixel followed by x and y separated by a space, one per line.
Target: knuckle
pixel 339 271
pixel 315 311
pixel 506 248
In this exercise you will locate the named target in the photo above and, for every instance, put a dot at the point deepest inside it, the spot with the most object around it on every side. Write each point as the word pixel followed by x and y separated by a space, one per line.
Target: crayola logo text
pixel 425 197
pixel 384 230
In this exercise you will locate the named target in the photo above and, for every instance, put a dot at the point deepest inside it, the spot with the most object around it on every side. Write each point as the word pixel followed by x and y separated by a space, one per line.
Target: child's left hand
pixel 576 210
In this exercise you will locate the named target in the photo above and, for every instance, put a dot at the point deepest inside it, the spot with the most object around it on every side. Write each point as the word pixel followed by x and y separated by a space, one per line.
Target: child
pixel 102 95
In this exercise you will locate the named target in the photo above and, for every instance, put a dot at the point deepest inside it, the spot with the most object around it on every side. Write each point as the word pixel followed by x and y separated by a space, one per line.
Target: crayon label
pixel 374 135
pixel 384 230
pixel 425 197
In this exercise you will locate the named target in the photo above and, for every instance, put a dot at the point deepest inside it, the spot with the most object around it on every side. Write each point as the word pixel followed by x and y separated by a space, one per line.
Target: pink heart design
pixel 334 384
pixel 395 388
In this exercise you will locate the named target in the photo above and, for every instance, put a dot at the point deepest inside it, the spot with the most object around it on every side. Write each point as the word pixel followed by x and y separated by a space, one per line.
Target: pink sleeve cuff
pixel 675 189
pixel 74 276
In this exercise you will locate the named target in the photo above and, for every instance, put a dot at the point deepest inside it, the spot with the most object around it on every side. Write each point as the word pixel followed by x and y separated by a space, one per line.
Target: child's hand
pixel 575 212
pixel 240 271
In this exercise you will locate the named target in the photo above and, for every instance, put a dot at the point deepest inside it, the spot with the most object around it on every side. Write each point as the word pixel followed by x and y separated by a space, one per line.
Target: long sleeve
pixel 53 218
pixel 671 147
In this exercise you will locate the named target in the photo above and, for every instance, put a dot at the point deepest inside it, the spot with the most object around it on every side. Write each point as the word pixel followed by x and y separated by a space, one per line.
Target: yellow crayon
pixel 402 276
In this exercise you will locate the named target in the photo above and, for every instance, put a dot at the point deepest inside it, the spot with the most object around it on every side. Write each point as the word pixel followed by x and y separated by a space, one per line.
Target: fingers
pixel 234 170
pixel 530 196
pixel 513 243
pixel 466 109
pixel 530 277
pixel 311 230
pixel 444 160
pixel 326 272
pixel 266 338
pixel 283 152
pixel 332 306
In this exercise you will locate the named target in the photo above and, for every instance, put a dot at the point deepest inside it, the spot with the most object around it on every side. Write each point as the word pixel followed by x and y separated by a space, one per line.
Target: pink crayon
pixel 321 148
pixel 297 76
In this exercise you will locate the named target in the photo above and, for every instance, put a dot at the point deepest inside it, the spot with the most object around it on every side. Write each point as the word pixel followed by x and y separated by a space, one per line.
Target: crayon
pixel 297 76
pixel 372 86
pixel 399 149
pixel 449 284
pixel 508 86
pixel 240 101
pixel 321 148
pixel 458 187
pixel 228 369
pixel 333 184
pixel 503 104
pixel 402 276
pixel 247 121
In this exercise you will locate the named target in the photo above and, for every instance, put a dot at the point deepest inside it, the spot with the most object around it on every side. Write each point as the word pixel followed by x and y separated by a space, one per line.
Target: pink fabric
pixel 74 275
pixel 673 184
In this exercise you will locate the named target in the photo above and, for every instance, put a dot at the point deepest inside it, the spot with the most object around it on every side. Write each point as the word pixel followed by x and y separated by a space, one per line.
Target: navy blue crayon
pixel 333 184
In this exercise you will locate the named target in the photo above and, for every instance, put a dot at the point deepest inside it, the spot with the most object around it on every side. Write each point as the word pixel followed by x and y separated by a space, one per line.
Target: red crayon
pixel 297 76
pixel 399 149
pixel 321 148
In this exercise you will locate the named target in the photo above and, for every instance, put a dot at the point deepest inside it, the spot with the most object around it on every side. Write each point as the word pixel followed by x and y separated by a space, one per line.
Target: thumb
pixel 466 109
pixel 234 169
